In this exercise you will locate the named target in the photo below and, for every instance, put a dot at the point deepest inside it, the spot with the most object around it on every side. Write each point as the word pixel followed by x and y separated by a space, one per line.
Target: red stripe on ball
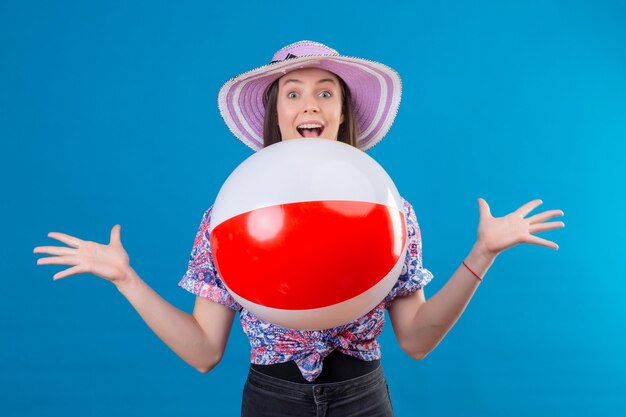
pixel 308 255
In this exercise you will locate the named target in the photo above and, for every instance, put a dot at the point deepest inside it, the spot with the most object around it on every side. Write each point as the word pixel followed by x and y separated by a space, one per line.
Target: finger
pixel 78 269
pixel 483 208
pixel 54 250
pixel 67 239
pixel 58 260
pixel 542 227
pixel 546 215
pixel 528 207
pixel 534 240
pixel 115 234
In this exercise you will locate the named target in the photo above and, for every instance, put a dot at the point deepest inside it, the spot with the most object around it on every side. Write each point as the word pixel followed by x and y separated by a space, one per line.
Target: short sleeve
pixel 202 278
pixel 413 276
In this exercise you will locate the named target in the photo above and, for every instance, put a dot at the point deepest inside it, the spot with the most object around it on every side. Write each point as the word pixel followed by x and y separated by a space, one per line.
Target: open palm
pixel 500 233
pixel 106 261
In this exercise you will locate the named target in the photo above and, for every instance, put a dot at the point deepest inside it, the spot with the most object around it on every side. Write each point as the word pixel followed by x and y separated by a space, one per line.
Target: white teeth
pixel 310 126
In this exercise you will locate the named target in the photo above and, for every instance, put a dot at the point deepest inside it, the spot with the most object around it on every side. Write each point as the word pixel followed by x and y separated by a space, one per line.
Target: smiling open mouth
pixel 310 130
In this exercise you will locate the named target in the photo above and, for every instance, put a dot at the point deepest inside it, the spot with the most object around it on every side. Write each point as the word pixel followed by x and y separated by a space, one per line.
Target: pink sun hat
pixel 375 88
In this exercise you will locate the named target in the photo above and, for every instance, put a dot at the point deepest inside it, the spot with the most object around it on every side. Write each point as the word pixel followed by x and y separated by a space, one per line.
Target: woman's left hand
pixel 497 234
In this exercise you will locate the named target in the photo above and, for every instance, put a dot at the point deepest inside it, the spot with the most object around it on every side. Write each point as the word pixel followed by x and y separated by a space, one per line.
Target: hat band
pixel 289 56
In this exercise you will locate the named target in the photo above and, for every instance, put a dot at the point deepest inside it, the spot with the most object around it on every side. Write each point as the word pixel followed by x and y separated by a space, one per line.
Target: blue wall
pixel 108 115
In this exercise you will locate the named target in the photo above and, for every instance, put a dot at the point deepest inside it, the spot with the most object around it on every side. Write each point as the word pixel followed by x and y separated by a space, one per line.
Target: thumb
pixel 483 207
pixel 115 234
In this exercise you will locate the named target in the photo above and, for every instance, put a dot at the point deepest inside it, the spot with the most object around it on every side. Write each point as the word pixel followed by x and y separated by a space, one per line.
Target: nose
pixel 311 106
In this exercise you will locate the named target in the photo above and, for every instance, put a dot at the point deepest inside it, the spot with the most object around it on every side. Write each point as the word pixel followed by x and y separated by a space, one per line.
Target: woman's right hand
pixel 110 261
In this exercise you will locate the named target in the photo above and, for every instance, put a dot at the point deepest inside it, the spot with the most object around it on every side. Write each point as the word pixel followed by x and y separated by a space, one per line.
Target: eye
pixel 325 94
pixel 292 94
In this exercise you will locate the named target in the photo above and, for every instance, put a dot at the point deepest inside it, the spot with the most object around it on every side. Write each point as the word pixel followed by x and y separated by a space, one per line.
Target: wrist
pixel 481 254
pixel 127 279
pixel 479 259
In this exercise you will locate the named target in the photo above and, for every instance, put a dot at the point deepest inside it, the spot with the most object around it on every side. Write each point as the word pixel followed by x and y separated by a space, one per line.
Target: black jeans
pixel 266 396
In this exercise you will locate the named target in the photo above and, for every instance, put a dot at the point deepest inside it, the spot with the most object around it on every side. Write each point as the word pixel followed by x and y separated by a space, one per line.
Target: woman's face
pixel 309 104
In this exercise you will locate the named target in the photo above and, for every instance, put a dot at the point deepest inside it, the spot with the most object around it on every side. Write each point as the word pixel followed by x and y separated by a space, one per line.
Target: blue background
pixel 108 115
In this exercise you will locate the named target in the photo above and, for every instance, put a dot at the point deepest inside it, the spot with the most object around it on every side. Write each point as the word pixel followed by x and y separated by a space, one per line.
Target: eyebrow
pixel 323 80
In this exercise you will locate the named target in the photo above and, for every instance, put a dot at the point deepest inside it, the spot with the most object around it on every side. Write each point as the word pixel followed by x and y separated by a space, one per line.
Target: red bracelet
pixel 475 274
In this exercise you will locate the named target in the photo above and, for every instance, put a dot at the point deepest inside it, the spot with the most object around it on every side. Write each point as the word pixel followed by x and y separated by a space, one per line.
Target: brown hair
pixel 347 133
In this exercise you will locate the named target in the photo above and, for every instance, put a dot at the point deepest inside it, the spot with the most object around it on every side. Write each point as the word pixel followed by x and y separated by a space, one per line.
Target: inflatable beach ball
pixel 308 233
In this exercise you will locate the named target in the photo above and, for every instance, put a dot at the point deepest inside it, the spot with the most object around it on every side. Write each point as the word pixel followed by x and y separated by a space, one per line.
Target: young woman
pixel 308 90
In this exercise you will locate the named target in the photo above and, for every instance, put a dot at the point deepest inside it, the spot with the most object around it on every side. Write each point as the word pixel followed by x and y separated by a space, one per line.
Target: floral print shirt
pixel 307 348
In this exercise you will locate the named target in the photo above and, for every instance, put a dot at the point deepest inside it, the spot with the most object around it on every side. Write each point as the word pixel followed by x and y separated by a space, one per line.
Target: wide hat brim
pixel 376 90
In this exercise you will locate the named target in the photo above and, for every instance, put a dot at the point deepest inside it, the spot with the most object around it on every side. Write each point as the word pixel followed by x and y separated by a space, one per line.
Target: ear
pixel 341 119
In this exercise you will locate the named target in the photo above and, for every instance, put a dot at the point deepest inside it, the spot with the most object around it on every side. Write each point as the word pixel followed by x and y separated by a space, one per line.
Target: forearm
pixel 177 329
pixel 420 325
pixel 435 317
